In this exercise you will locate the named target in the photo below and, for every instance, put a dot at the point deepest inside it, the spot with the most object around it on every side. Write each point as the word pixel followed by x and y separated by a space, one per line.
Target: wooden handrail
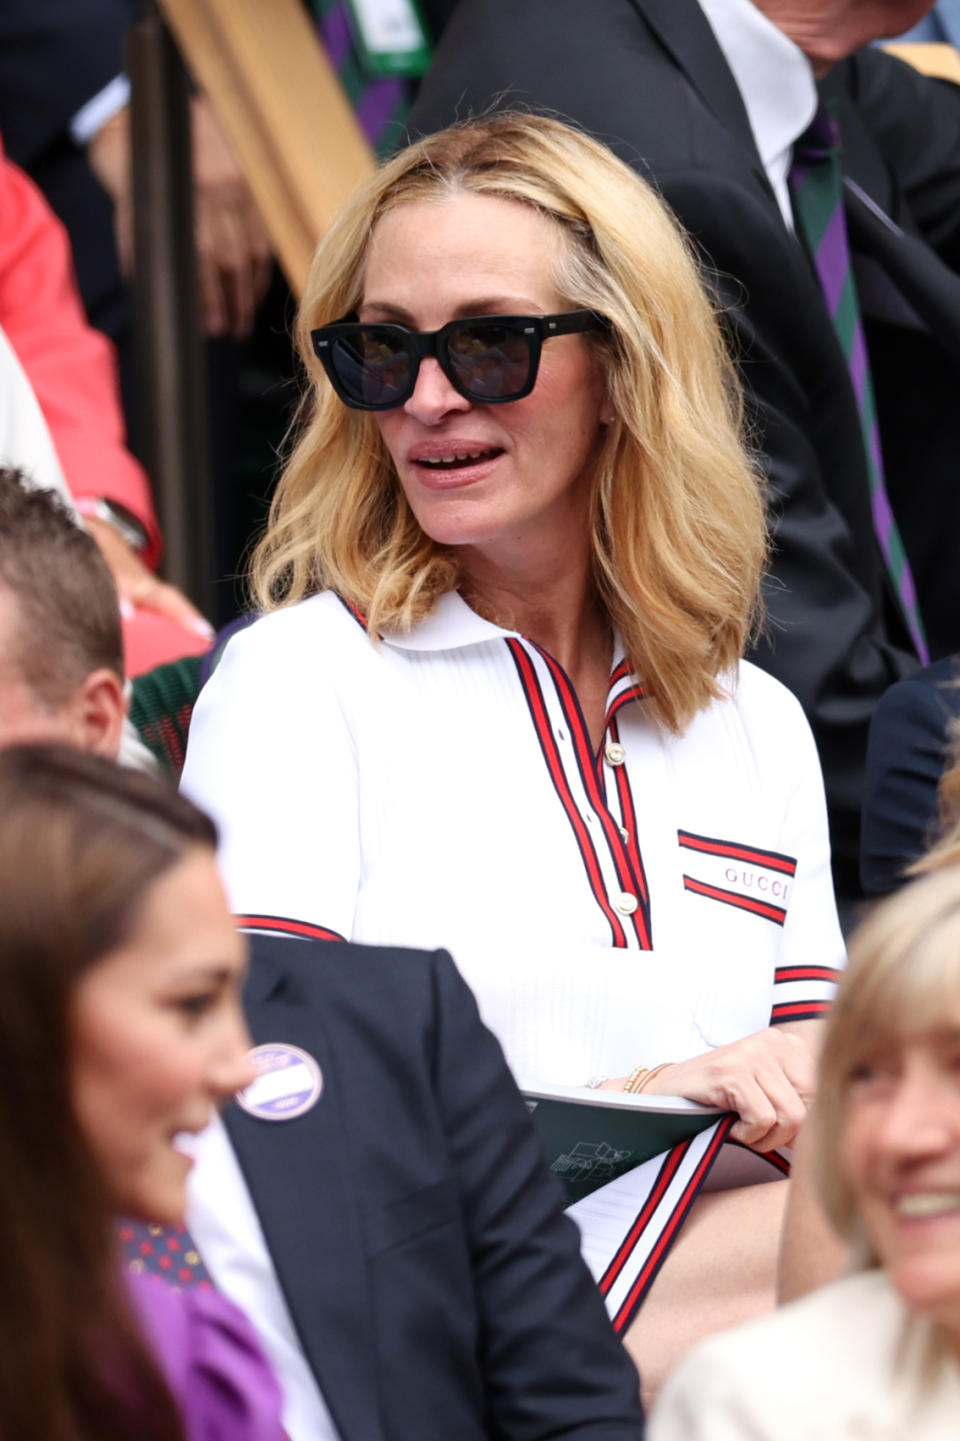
pixel 940 61
pixel 283 110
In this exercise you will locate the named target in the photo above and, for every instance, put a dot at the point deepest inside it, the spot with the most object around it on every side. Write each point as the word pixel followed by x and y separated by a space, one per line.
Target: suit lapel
pixel 685 33
pixel 297 1174
pixel 925 282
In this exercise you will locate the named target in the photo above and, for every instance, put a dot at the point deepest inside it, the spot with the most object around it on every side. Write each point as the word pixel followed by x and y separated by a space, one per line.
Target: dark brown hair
pixel 68 611
pixel 81 843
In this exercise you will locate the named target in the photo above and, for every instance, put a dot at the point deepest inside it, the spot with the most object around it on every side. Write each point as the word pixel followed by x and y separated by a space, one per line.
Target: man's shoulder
pixel 316 971
pixel 626 87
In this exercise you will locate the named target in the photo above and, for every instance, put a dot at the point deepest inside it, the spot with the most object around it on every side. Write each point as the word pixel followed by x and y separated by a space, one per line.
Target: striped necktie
pixel 166 1251
pixel 381 106
pixel 816 185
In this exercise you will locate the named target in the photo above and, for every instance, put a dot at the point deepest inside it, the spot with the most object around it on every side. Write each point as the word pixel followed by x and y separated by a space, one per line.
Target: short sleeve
pixel 210 1359
pixel 271 757
pixel 812 954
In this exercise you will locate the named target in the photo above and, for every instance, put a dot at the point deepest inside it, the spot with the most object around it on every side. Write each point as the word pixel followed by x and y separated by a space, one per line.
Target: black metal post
pixel 169 344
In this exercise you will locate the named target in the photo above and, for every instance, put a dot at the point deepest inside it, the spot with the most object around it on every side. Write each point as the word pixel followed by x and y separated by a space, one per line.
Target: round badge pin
pixel 288 1083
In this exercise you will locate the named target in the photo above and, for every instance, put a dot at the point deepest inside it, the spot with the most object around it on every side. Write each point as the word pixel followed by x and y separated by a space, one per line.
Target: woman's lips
pixel 443 467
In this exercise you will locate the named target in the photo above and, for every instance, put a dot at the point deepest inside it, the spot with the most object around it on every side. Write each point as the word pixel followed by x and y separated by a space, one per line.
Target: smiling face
pixel 900 1149
pixel 159 1039
pixel 501 478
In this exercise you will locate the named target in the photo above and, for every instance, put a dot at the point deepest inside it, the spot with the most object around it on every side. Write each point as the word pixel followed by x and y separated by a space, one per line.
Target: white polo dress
pixel 439 788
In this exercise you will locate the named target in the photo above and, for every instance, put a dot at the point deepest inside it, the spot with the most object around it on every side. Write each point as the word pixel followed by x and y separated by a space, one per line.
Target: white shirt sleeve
pixel 100 108
pixel 812 953
pixel 24 437
pixel 271 757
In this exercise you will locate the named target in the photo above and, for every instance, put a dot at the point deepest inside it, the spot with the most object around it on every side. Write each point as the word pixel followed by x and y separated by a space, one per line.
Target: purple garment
pixel 211 1360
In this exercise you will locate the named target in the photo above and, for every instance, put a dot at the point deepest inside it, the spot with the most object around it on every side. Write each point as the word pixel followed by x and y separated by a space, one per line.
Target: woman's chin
pixel 928 1285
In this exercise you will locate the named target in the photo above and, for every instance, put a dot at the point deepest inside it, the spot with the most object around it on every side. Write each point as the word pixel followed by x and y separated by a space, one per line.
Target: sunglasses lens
pixel 372 366
pixel 490 360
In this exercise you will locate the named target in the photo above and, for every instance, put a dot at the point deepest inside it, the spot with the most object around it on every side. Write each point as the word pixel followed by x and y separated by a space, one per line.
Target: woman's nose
pixel 922 1118
pixel 232 1068
pixel 433 395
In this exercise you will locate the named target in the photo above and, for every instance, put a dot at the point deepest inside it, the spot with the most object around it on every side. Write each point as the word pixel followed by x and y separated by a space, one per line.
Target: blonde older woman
pixel 879 1350
pixel 497 702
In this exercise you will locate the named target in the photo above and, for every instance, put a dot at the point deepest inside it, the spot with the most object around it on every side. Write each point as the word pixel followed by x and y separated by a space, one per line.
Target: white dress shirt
pixel 775 81
pixel 223 1223
pixel 24 437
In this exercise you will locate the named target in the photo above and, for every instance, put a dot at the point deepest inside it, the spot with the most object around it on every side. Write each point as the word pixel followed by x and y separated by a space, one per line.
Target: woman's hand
pixel 138 586
pixel 233 248
pixel 767 1078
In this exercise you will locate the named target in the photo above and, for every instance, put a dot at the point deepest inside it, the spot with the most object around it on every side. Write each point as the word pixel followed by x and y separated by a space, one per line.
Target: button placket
pixel 614 753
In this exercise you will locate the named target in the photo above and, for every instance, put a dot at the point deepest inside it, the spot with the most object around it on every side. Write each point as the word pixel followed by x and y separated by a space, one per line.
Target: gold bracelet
pixel 645 1081
pixel 635 1079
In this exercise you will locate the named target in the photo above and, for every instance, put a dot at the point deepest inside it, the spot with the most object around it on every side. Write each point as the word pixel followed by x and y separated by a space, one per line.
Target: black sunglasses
pixel 491 359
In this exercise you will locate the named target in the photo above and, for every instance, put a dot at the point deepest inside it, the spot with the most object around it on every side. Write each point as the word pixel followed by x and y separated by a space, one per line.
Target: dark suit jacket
pixel 436 1286
pixel 911 735
pixel 54 57
pixel 648 77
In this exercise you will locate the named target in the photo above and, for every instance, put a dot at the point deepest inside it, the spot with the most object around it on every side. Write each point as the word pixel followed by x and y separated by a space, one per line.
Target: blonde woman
pixel 497 701
pixel 878 1351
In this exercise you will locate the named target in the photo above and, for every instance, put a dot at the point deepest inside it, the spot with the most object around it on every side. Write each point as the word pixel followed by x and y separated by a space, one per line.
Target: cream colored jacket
pixel 846 1363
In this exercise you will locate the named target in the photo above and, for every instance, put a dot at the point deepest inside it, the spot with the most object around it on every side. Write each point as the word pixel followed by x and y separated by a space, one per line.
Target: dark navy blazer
pixel 435 1283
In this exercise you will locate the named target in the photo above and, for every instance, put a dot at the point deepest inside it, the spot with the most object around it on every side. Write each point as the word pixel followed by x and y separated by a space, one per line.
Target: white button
pixel 614 753
pixel 624 834
pixel 626 903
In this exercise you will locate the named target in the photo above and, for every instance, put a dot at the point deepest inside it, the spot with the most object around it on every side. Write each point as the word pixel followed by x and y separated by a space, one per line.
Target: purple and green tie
pixel 816 185
pixel 381 106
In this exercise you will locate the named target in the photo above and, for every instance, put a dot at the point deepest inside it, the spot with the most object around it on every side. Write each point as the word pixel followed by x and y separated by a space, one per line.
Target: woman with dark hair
pixel 120 1030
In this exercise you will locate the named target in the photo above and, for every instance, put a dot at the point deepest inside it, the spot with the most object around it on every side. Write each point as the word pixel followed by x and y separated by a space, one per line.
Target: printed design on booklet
pixel 289 1082
pixel 593 1162
pixel 748 877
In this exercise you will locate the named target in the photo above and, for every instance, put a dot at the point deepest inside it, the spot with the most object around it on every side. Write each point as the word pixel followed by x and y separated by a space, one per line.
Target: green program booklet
pixel 591 1137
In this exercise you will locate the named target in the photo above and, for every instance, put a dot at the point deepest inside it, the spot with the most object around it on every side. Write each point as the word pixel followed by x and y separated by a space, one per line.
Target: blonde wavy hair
pixel 945 850
pixel 678 523
pixel 903 976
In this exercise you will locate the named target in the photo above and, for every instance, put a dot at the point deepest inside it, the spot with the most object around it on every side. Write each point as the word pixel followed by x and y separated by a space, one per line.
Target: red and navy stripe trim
pixel 288 927
pixel 778 1162
pixel 630 693
pixel 752 855
pixel 355 611
pixel 551 754
pixel 627 878
pixel 798 1011
pixel 651 1267
pixel 733 898
pixel 784 974
pixel 629 817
